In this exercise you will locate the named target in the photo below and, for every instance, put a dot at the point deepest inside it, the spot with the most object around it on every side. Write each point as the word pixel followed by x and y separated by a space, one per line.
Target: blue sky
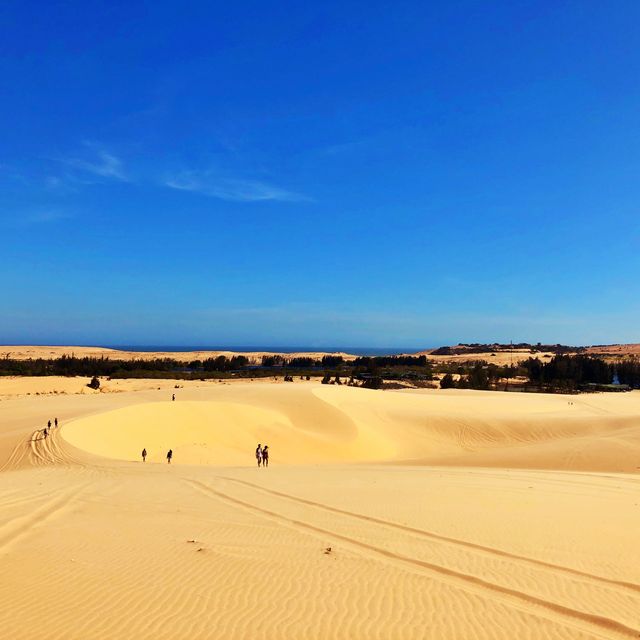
pixel 357 173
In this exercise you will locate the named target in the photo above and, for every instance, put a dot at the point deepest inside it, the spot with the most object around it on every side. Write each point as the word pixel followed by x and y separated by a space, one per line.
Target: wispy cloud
pixel 102 164
pixel 11 176
pixel 21 219
pixel 46 215
pixel 95 164
pixel 210 184
pixel 64 184
pixel 345 147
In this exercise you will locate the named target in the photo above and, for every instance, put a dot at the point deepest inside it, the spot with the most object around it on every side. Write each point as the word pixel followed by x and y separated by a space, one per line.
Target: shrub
pixel 375 382
pixel 447 382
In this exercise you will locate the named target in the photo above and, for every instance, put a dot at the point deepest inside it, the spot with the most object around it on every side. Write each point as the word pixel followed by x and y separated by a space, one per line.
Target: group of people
pixel 47 429
pixel 262 455
pixel 169 455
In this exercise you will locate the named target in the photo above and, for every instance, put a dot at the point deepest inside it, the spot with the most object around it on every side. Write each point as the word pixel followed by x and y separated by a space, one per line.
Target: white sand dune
pixel 447 514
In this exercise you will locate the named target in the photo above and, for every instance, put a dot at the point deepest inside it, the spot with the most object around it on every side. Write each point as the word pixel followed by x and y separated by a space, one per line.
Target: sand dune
pixel 313 423
pixel 342 537
pixel 25 352
pixel 632 349
pixel 498 357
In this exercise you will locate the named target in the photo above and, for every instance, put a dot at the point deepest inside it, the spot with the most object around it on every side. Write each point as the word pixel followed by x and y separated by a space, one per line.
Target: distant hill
pixel 464 349
pixel 631 349
pixel 499 353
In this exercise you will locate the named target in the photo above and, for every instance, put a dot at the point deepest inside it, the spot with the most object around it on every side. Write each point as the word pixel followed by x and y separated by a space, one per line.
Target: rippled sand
pixel 383 514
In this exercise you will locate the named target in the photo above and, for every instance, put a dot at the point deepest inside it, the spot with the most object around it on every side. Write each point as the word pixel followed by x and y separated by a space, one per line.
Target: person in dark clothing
pixel 49 424
pixel 173 397
pixel 144 455
pixel 265 456
pixel 55 422
pixel 259 455
pixel 169 456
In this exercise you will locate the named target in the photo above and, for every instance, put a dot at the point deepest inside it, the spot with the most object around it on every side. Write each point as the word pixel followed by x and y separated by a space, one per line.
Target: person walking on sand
pixel 169 456
pixel 45 432
pixel 49 424
pixel 144 455
pixel 173 397
pixel 259 455
pixel 55 422
pixel 265 455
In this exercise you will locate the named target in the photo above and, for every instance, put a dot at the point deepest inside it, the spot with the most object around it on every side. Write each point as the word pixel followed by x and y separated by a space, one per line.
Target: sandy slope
pixel 100 545
pixel 632 349
pixel 314 423
pixel 500 358
pixel 25 352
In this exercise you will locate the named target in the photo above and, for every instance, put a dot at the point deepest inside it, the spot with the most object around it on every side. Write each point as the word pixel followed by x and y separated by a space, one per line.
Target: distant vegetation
pixel 479 375
pixel 477 347
pixel 571 373
pixel 562 373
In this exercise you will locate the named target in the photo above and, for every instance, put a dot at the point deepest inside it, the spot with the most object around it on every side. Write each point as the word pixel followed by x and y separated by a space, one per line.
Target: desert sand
pixel 497 357
pixel 632 349
pixel 26 352
pixel 383 514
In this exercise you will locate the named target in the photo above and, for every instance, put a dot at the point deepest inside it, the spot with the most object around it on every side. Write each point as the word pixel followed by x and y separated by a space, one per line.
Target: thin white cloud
pixel 53 182
pixel 233 189
pixel 46 215
pixel 21 219
pixel 105 165
pixel 345 147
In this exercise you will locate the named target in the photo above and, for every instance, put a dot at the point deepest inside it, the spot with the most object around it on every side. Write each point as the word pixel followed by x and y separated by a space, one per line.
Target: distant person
pixel 45 433
pixel 49 424
pixel 169 456
pixel 144 455
pixel 55 421
pixel 173 397
pixel 259 455
pixel 265 455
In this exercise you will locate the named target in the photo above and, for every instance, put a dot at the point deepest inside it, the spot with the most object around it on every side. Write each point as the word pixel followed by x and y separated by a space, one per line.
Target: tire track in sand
pixel 492 551
pixel 586 622
pixel 16 456
pixel 20 526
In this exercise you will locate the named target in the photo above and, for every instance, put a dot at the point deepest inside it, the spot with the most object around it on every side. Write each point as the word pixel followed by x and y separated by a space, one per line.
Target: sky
pixel 405 174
